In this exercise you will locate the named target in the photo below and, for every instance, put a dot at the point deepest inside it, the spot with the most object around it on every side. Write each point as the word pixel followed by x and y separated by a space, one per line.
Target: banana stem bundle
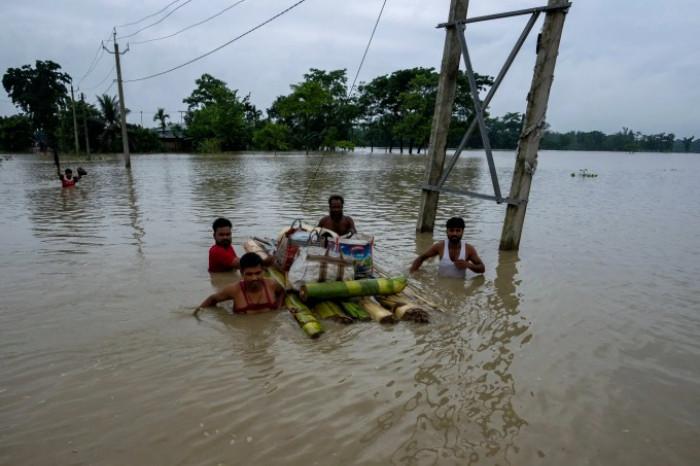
pixel 404 309
pixel 352 288
pixel 303 316
pixel 377 312
pixel 330 310
pixel 355 311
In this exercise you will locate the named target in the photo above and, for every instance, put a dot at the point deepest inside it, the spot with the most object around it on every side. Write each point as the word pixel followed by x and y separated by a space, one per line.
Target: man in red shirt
pixel 68 180
pixel 222 256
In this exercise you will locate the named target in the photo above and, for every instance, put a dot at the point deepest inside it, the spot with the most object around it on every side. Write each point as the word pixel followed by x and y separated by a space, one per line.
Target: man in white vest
pixel 457 258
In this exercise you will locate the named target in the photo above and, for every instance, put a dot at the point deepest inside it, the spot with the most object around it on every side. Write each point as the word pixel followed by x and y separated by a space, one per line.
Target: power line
pixel 114 81
pixel 364 55
pixel 148 16
pixel 219 47
pixel 93 64
pixel 191 25
pixel 101 82
pixel 157 22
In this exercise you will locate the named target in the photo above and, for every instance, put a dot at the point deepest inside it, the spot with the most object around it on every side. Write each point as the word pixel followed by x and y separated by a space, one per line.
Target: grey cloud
pixel 624 63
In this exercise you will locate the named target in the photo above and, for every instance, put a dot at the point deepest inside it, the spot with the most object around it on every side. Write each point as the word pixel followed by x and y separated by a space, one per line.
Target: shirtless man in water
pixel 457 257
pixel 253 293
pixel 336 221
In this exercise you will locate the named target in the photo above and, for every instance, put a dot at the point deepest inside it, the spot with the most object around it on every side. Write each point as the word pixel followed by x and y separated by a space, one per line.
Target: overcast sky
pixel 633 63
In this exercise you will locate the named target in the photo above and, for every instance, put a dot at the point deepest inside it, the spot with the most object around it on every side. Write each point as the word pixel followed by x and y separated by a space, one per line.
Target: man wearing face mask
pixel 222 256
pixel 457 257
pixel 336 221
pixel 252 294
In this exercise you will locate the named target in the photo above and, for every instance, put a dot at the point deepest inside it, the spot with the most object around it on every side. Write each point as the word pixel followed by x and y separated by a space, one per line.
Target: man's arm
pixel 224 294
pixel 353 230
pixel 279 294
pixel 472 262
pixel 433 251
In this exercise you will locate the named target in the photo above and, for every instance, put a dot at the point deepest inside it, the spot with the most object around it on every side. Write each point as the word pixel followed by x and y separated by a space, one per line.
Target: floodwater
pixel 583 348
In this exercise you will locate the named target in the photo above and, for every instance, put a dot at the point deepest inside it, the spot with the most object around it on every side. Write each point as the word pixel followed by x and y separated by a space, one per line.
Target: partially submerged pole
pixel 444 101
pixel 533 125
pixel 122 105
pixel 75 120
pixel 85 125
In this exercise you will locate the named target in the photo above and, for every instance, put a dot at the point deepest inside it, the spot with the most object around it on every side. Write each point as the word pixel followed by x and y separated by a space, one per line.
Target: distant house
pixel 173 142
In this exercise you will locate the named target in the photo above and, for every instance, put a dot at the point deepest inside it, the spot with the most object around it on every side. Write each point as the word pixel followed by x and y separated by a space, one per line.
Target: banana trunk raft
pixel 385 300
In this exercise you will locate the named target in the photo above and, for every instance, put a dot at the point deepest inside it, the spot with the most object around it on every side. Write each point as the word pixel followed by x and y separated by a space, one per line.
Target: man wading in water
pixel 68 180
pixel 336 221
pixel 456 256
pixel 254 293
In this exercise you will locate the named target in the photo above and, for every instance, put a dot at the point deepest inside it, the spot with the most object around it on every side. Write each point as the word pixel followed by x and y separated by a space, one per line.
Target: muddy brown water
pixel 583 348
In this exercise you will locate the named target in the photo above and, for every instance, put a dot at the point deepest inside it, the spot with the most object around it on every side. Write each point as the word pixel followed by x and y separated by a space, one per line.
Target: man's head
pixel 335 206
pixel 455 229
pixel 251 269
pixel 69 173
pixel 222 232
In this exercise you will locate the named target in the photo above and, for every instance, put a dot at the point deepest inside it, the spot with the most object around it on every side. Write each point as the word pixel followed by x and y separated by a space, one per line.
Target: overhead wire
pixel 102 81
pixel 156 23
pixel 143 78
pixel 98 56
pixel 93 64
pixel 359 68
pixel 369 43
pixel 114 81
pixel 191 25
pixel 133 23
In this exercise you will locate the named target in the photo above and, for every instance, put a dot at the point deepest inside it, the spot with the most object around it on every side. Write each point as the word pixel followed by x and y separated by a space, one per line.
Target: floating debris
pixel 585 173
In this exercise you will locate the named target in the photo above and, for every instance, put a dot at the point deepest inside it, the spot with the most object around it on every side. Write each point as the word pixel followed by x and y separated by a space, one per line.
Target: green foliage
pixel 215 112
pixel 209 146
pixel 317 112
pixel 161 117
pixel 40 92
pixel 15 133
pixel 143 140
pixel 272 136
pixel 625 140
pixel 504 132
pixel 398 108
pixel 346 146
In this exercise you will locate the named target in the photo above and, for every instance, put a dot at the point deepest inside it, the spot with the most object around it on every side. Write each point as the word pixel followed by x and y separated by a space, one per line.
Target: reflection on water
pixel 581 346
pixel 462 411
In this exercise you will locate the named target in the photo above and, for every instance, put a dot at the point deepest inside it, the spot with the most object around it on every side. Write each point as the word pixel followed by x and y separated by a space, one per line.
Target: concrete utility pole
pixel 85 126
pixel 122 106
pixel 533 125
pixel 75 120
pixel 437 146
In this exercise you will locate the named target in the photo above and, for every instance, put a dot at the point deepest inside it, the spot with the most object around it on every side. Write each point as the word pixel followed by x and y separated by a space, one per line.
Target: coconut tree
pixel 161 116
pixel 109 110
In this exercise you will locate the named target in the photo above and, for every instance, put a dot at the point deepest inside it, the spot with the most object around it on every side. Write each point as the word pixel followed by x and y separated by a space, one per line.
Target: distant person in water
pixel 222 256
pixel 67 178
pixel 252 294
pixel 457 257
pixel 335 220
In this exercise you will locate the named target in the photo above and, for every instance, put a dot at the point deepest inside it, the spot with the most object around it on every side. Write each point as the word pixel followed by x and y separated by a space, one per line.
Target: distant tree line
pixel 392 111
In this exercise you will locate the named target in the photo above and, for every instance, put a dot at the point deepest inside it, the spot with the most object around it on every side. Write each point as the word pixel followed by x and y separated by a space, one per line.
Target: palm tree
pixel 161 116
pixel 110 115
pixel 109 109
